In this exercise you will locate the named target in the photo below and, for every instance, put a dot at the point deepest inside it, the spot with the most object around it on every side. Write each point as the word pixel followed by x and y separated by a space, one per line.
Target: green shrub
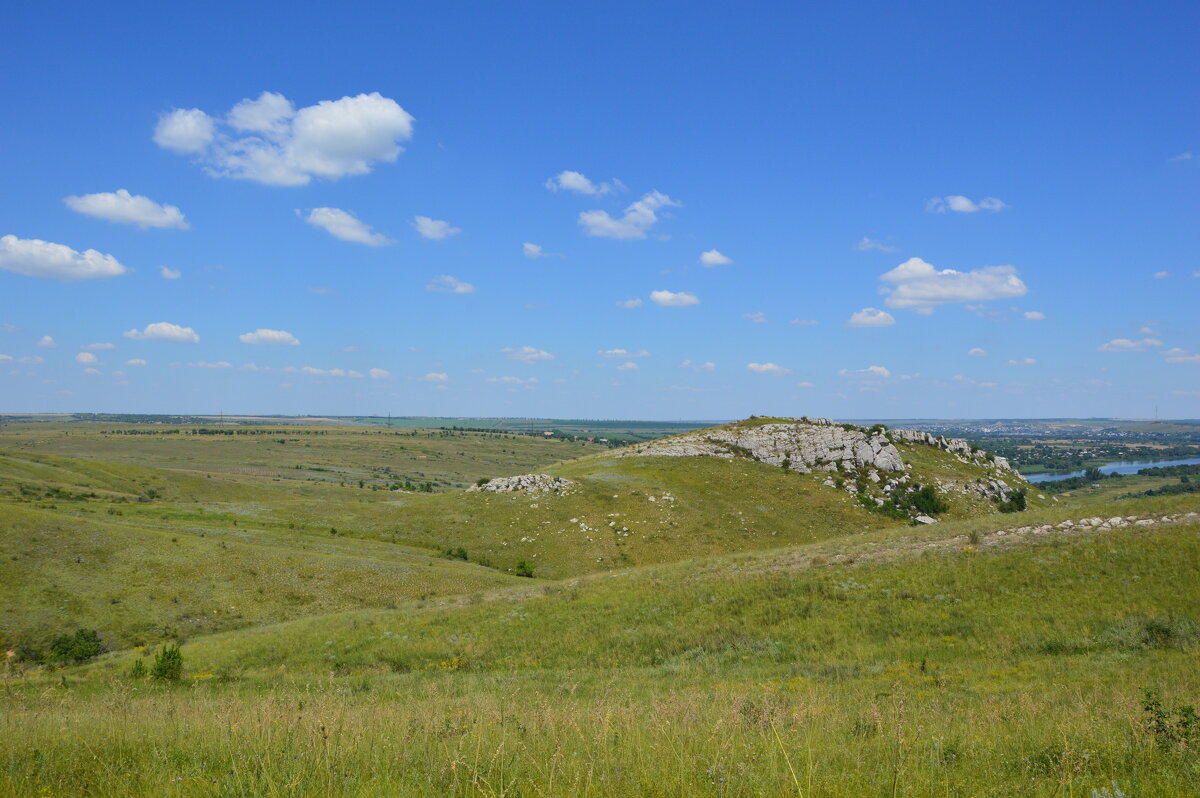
pixel 457 553
pixel 168 664
pixel 81 646
pixel 138 670
pixel 524 569
pixel 1175 727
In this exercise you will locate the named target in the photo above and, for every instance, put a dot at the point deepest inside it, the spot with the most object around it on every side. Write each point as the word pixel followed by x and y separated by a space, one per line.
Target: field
pixel 692 626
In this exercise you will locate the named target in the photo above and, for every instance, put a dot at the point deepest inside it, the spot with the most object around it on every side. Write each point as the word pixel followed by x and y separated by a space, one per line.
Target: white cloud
pixel 267 141
pixel 916 285
pixel 1024 361
pixel 532 250
pixel 527 354
pixel 1183 156
pixel 137 361
pixel 92 372
pixel 758 317
pixel 47 342
pixel 871 317
pixel 768 368
pixel 804 385
pixel 638 219
pixel 513 380
pixel 5 357
pixel 629 304
pixel 33 257
pixel 379 374
pixel 1127 345
pixel 714 258
pixel 804 322
pixel 868 244
pixel 164 331
pixel 870 372
pixel 269 338
pixel 168 273
pixel 310 371
pixel 125 208
pixel 32 360
pixel 960 204
pixel 706 366
pixel 670 299
pixel 321 290
pixel 1034 315
pixel 204 364
pixel 434 229
pixel 1161 275
pixel 1177 355
pixel 435 376
pixel 344 225
pixel 86 358
pixel 977 352
pixel 575 181
pixel 628 365
pixel 451 285
pixel 622 353
pixel 185 131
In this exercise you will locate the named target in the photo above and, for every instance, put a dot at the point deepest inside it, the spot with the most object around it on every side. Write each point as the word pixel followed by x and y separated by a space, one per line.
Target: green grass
pixel 757 633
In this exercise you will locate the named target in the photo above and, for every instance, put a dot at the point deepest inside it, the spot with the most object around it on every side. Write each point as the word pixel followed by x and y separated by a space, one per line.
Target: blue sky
pixel 918 209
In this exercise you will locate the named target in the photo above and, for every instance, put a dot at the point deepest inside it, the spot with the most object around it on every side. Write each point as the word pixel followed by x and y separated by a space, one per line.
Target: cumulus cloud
pixel 977 352
pixel 768 368
pixel 622 353
pixel 638 219
pixel 5 357
pixel 1022 361
pixel 137 361
pixel 868 244
pixel 512 380
pixel 379 374
pixel 47 342
pixel 310 371
pixel 533 250
pixel 168 273
pixel 86 358
pixel 628 365
pixel 164 331
pixel 1034 315
pixel 871 317
pixel 960 204
pixel 916 285
pixel 576 182
pixel 714 258
pixel 344 225
pixel 629 304
pixel 33 257
pixel 706 366
pixel 1128 345
pixel 436 376
pixel 804 322
pixel 268 141
pixel 1178 355
pixel 870 372
pixel 450 285
pixel 204 364
pixel 434 229
pixel 671 299
pixel 269 338
pixel 98 347
pixel 758 317
pixel 125 208
pixel 526 354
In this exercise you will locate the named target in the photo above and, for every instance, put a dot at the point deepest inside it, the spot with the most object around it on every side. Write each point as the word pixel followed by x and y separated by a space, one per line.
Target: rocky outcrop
pixel 956 446
pixel 525 483
pixel 802 445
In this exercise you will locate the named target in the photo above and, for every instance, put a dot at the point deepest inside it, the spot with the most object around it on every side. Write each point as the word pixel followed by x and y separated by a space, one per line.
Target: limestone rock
pixel 525 483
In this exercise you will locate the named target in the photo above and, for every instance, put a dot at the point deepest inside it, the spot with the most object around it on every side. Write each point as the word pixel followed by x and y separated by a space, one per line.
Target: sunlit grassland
pixel 988 671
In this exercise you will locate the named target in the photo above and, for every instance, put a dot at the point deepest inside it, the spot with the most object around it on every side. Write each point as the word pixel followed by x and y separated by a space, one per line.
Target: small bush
pixel 81 646
pixel 524 569
pixel 138 670
pixel 168 664
pixel 1175 727
pixel 457 553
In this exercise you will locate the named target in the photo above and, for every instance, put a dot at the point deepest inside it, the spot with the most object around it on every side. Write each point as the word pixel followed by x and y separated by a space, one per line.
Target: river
pixel 1120 466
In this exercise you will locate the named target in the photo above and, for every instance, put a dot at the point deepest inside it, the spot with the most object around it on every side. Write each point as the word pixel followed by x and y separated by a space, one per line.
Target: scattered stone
pixel 924 519
pixel 525 483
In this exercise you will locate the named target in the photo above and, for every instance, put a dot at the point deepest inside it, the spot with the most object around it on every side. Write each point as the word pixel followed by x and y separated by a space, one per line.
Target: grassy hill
pixel 750 631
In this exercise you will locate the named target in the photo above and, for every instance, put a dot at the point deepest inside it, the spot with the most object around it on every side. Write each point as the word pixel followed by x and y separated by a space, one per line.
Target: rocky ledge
pixel 802 444
pixel 525 483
